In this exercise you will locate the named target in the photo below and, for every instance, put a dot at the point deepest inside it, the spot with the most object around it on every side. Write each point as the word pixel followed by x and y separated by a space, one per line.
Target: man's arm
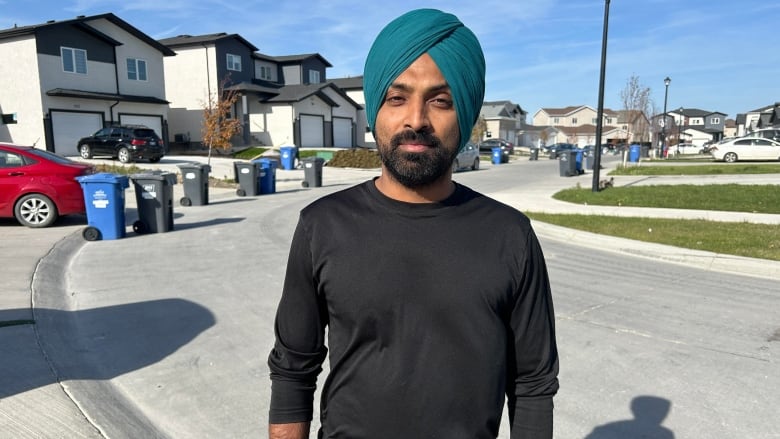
pixel 298 430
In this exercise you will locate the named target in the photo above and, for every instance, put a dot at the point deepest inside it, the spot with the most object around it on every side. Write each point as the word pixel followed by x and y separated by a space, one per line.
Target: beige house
pixel 577 125
pixel 67 79
pixel 283 100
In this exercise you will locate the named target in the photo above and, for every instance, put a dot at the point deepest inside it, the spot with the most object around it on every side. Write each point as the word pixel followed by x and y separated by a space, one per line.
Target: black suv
pixel 127 143
pixel 488 145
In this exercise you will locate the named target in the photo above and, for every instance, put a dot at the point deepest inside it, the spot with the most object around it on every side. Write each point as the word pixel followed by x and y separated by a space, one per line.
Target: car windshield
pixel 51 156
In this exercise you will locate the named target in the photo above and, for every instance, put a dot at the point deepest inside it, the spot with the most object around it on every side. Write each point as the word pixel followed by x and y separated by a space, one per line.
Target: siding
pixel 24 97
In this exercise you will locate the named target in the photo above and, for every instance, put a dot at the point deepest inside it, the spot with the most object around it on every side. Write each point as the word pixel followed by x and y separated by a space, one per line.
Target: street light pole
pixel 679 130
pixel 667 81
pixel 600 113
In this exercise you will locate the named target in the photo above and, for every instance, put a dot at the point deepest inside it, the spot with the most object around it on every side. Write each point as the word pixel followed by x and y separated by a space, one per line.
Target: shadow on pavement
pixel 649 412
pixel 102 343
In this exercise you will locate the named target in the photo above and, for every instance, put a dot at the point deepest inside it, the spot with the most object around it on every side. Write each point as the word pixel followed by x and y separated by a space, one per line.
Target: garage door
pixel 312 134
pixel 153 122
pixel 342 132
pixel 69 127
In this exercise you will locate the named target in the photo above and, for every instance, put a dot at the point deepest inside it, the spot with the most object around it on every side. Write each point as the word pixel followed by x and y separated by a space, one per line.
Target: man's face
pixel 417 130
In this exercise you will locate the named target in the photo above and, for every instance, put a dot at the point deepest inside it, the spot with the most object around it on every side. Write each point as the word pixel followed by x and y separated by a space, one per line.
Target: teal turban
pixel 454 49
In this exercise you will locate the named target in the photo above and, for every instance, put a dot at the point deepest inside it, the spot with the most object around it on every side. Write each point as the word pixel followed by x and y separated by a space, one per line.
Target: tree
pixel 479 129
pixel 637 104
pixel 218 125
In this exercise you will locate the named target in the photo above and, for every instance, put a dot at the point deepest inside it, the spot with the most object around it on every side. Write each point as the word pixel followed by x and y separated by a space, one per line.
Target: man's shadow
pixel 649 412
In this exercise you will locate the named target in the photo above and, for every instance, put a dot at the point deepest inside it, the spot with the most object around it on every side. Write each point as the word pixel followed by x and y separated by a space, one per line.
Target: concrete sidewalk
pixel 35 402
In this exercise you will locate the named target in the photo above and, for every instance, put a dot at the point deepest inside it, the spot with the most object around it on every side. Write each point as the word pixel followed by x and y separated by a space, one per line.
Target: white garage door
pixel 342 132
pixel 69 127
pixel 312 131
pixel 153 122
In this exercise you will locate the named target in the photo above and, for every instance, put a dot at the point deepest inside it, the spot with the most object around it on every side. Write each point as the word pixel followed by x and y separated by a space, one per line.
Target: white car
pixel 686 149
pixel 746 148
pixel 468 157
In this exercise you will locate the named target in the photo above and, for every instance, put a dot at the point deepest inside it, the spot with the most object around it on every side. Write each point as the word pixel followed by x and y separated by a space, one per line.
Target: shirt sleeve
pixel 533 355
pixel 299 351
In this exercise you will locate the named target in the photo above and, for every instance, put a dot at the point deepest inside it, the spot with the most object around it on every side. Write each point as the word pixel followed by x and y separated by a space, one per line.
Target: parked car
pixel 467 158
pixel 37 186
pixel 127 143
pixel 767 133
pixel 556 149
pixel 746 148
pixel 686 149
pixel 488 145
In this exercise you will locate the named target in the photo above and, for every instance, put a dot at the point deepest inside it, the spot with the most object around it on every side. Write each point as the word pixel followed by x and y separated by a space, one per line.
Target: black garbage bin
pixel 195 179
pixel 154 201
pixel 534 154
pixel 247 175
pixel 590 157
pixel 312 171
pixel 567 163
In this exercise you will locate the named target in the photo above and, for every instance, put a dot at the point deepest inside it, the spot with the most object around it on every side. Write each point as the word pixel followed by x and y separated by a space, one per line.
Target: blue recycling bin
pixel 578 161
pixel 267 175
pixel 104 198
pixel 634 152
pixel 288 157
pixel 496 156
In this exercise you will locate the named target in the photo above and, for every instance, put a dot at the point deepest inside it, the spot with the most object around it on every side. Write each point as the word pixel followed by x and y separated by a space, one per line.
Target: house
pixel 67 79
pixel 692 125
pixel 577 125
pixel 353 86
pixel 282 99
pixel 504 120
pixel 764 117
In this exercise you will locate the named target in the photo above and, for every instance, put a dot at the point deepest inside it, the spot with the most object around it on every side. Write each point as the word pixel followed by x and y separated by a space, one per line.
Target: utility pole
pixel 600 114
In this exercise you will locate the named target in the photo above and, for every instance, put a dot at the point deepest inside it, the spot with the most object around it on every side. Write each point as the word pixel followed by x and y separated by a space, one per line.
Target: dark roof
pixel 501 109
pixel 568 110
pixel 741 119
pixel 249 87
pixel 349 83
pixel 197 40
pixel 765 108
pixel 695 112
pixel 71 93
pixel 83 22
pixel 297 93
pixel 292 59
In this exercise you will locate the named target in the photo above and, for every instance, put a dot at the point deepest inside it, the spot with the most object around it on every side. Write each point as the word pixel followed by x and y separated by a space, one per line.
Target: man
pixel 435 298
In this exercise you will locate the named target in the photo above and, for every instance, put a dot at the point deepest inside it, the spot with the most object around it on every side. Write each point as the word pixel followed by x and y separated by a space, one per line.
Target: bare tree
pixel 218 125
pixel 637 105
pixel 478 130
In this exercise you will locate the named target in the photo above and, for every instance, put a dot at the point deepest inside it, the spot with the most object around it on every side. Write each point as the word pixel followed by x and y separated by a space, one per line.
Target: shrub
pixel 356 158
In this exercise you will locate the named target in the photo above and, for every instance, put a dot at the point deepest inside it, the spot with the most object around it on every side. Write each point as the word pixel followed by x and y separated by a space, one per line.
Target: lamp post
pixel 667 81
pixel 679 130
pixel 600 111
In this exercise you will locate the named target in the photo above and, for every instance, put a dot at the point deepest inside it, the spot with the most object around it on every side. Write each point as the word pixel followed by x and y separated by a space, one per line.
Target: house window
pixel 314 76
pixel 593 121
pixel 136 69
pixel 608 120
pixel 574 121
pixel 74 60
pixel 265 72
pixel 233 62
pixel 715 120
pixel 556 120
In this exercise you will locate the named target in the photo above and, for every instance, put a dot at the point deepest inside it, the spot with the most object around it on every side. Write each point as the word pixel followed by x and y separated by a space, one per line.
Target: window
pixel 574 121
pixel 74 60
pixel 556 120
pixel 233 62
pixel 593 121
pixel 265 72
pixel 715 120
pixel 314 77
pixel 136 69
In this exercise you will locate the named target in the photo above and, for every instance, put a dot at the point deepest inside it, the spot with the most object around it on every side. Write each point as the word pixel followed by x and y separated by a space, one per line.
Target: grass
pixel 742 239
pixel 727 197
pixel 706 169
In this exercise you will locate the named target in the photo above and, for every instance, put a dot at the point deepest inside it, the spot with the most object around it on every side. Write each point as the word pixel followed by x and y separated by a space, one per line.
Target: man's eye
pixel 442 102
pixel 395 99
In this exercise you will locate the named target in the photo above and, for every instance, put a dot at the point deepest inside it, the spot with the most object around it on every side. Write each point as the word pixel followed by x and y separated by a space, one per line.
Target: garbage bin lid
pixel 195 165
pixel 104 177
pixel 168 177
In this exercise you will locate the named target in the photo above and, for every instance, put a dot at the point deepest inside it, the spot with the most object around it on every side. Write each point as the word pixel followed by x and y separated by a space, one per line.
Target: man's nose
pixel 417 115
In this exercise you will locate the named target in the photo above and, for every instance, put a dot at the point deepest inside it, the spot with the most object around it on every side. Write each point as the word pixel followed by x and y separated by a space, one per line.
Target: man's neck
pixel 437 191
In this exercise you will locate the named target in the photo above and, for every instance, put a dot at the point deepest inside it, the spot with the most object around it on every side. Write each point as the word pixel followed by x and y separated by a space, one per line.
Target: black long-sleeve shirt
pixel 434 312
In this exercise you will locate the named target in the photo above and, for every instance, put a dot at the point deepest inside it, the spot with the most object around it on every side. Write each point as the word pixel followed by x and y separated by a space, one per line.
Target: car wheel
pixel 124 155
pixel 35 210
pixel 85 151
pixel 475 166
pixel 730 157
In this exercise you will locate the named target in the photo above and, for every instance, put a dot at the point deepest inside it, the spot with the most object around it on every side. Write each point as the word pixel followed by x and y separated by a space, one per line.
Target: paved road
pixel 166 335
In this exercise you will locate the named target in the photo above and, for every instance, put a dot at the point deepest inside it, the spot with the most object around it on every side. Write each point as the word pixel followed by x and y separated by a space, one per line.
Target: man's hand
pixel 298 430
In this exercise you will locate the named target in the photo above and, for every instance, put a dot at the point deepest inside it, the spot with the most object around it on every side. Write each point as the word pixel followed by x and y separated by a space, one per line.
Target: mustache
pixel 423 137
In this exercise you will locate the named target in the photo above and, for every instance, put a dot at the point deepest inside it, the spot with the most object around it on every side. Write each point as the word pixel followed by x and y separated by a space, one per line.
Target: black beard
pixel 417 169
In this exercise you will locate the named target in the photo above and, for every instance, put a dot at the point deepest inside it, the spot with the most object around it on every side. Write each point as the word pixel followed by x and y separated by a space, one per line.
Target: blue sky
pixel 540 53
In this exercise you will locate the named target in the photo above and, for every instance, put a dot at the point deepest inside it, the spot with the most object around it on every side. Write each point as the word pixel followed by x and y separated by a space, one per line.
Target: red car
pixel 37 186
